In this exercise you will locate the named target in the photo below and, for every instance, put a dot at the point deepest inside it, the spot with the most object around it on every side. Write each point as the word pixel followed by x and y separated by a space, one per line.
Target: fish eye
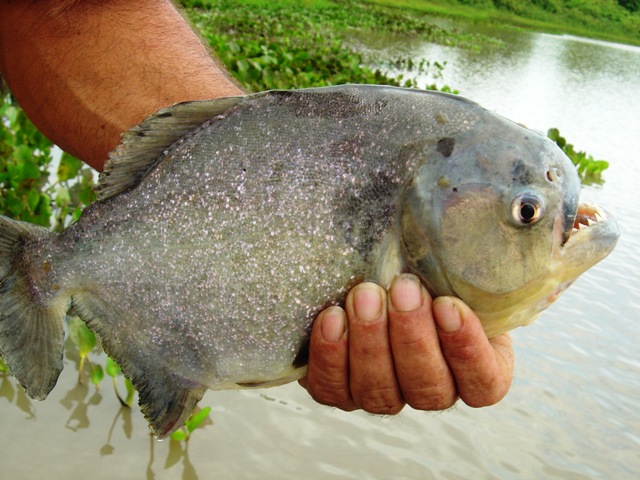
pixel 526 209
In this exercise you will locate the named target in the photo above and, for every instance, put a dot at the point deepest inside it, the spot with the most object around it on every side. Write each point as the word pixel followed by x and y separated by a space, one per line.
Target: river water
pixel 573 411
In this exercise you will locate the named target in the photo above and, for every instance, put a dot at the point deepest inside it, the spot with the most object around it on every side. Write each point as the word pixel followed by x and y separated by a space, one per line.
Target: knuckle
pixel 487 392
pixel 414 340
pixel 433 398
pixel 332 397
pixel 328 389
pixel 383 401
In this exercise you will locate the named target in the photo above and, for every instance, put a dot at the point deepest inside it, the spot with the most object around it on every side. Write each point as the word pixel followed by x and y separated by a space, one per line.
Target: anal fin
pixel 166 398
pixel 167 402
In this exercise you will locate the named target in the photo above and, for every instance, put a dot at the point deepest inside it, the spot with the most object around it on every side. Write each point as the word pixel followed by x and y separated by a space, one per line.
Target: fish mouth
pixel 587 216
pixel 592 236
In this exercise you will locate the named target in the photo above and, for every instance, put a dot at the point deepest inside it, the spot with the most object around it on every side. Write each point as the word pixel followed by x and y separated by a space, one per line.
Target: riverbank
pixel 285 44
pixel 586 18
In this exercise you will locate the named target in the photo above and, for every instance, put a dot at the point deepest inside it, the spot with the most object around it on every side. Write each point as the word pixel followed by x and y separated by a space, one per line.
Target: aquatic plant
pixel 85 341
pixel 589 169
pixel 285 44
pixel 196 419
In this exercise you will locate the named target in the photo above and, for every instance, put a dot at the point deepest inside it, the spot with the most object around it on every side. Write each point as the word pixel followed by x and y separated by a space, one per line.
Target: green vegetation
pixel 25 164
pixel 196 419
pixel 287 44
pixel 617 21
pixel 264 44
pixel 589 169
pixel 84 342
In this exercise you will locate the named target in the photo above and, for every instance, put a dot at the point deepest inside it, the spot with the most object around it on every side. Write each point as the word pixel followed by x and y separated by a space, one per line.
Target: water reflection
pixel 76 401
pixel 84 402
pixel 16 395
pixel 178 453
pixel 127 426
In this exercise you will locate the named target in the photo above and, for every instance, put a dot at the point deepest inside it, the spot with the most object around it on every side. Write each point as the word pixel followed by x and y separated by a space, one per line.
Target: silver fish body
pixel 224 227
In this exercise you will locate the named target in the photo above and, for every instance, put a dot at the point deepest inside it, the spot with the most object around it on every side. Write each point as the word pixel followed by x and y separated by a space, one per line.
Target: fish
pixel 223 227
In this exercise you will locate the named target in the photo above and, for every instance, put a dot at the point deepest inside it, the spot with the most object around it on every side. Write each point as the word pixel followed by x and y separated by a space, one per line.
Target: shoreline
pixel 504 18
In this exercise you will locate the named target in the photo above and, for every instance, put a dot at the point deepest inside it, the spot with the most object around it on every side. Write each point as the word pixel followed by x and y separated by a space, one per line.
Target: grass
pixel 283 44
pixel 600 19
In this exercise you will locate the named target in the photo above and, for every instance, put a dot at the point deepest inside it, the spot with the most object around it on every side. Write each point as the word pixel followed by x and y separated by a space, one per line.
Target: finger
pixel 372 376
pixel 327 379
pixel 483 368
pixel 423 374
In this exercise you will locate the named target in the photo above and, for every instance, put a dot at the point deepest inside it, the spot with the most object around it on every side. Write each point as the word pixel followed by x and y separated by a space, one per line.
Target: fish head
pixel 493 217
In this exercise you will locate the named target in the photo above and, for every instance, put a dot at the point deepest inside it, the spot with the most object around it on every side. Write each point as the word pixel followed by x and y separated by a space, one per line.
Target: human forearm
pixel 86 73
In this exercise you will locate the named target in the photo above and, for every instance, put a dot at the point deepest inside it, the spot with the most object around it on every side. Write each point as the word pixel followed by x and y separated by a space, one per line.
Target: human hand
pixel 397 348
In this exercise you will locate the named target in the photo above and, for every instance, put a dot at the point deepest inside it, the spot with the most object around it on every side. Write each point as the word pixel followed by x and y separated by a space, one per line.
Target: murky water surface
pixel 572 413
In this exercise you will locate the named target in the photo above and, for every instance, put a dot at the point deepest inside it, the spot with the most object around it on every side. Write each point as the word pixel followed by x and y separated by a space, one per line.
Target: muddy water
pixel 572 413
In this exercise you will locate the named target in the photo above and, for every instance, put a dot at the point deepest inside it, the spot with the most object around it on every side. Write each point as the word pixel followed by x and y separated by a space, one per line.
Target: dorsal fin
pixel 141 146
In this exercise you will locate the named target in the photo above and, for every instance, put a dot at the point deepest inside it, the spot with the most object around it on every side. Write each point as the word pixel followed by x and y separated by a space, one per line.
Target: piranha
pixel 222 228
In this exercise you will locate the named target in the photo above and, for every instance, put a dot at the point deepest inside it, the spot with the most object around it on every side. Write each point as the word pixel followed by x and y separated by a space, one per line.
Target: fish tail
pixel 31 315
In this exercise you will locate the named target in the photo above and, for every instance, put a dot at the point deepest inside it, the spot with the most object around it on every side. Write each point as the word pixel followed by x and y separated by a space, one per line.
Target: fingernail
pixel 367 302
pixel 332 324
pixel 447 315
pixel 406 293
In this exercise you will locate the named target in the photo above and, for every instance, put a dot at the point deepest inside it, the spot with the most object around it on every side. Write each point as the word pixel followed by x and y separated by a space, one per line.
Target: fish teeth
pixel 582 223
pixel 599 216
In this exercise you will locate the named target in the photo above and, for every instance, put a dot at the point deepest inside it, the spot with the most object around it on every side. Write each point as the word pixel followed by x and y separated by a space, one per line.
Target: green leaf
pixel 179 435
pixel 87 194
pixel 69 167
pixel 554 134
pixel 62 197
pixel 242 65
pixel 77 213
pixel 130 391
pixel 112 368
pixel 12 115
pixel 3 366
pixel 73 325
pixel 27 167
pixel 197 418
pixel 81 336
pixel 96 374
pixel 33 199
pixel 87 340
